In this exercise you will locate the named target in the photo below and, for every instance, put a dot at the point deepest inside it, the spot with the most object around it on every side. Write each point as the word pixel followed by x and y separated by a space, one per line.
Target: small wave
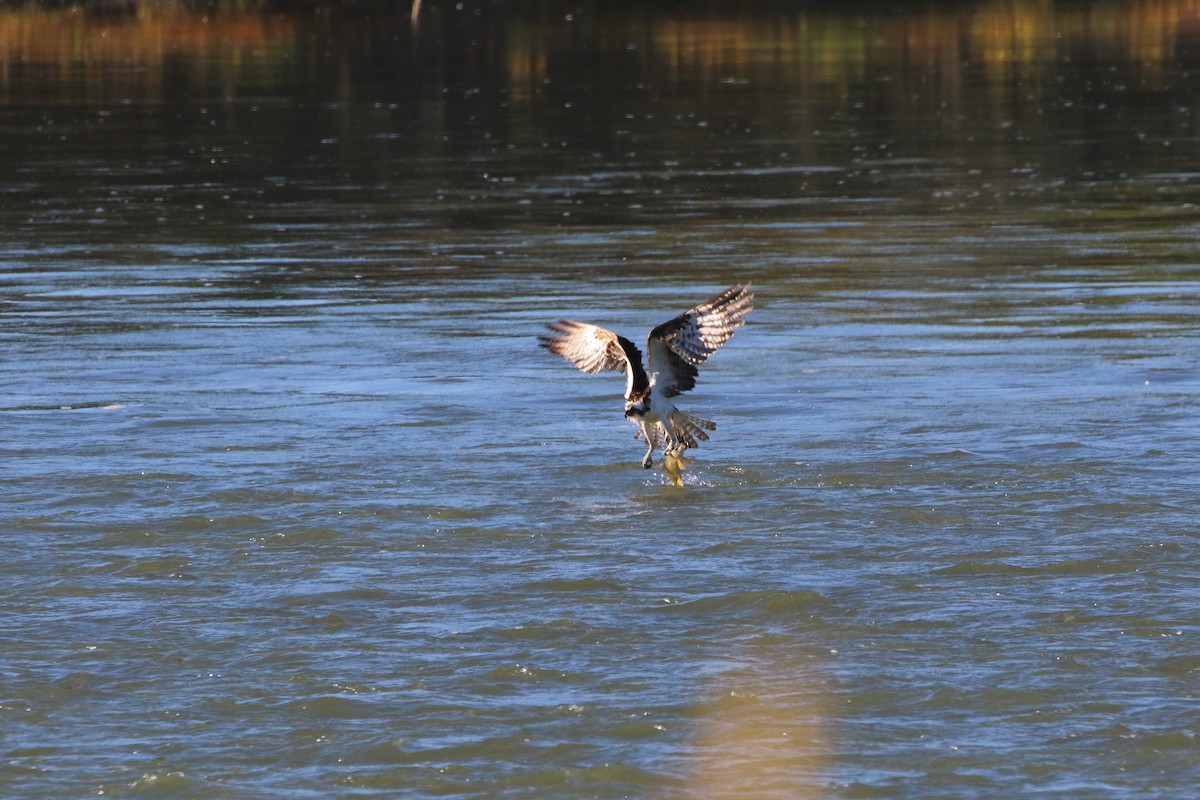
pixel 1084 566
pixel 163 784
pixel 769 601
pixel 523 673
pixel 973 567
pixel 334 707
pixel 1179 666
pixel 577 585
pixel 553 631
pixel 85 405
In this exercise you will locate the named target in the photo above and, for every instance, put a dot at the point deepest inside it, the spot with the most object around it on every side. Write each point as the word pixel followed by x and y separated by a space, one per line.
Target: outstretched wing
pixel 676 348
pixel 592 348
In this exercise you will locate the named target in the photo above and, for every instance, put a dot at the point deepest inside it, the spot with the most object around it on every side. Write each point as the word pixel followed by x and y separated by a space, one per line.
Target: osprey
pixel 674 349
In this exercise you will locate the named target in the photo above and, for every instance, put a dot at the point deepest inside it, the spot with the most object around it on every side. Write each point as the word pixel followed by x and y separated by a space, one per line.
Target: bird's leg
pixel 648 459
pixel 672 446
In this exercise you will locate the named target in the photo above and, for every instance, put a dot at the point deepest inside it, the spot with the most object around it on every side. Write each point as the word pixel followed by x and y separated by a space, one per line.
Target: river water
pixel 293 505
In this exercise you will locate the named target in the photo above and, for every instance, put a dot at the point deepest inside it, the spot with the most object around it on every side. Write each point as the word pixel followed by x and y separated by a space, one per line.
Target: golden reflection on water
pixel 803 47
pixel 765 732
pixel 111 59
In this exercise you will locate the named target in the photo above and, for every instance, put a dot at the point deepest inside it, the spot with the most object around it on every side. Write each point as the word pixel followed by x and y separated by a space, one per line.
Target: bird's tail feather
pixel 689 430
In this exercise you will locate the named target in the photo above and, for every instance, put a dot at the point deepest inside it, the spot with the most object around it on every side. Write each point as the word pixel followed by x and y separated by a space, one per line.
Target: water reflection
pixel 269 291
pixel 1015 51
pixel 259 124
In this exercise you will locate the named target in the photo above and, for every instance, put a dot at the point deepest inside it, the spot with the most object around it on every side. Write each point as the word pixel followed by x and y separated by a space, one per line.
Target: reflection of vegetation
pixel 798 47
pixel 955 91
pixel 55 56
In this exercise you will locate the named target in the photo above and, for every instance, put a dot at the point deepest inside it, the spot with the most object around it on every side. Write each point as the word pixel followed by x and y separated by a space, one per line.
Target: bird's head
pixel 637 408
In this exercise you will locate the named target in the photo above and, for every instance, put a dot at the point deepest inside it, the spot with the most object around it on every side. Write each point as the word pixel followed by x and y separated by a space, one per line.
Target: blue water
pixel 294 506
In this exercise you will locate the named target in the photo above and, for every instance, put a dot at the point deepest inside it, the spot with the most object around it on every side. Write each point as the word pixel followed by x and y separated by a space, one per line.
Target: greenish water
pixel 294 506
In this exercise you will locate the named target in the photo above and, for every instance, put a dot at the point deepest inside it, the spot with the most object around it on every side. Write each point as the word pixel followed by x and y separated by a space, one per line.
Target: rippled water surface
pixel 293 505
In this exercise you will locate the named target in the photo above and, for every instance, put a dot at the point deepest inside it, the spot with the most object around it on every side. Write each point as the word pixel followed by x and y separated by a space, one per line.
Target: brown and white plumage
pixel 674 350
pixel 677 347
pixel 592 349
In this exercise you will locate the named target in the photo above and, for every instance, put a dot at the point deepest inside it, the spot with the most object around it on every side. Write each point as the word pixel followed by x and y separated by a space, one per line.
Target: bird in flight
pixel 674 350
